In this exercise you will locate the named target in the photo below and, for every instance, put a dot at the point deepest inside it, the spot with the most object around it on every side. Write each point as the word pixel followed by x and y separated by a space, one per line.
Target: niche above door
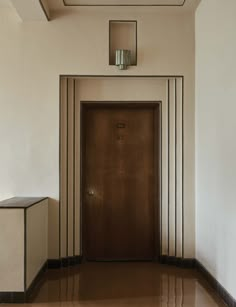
pixel 122 35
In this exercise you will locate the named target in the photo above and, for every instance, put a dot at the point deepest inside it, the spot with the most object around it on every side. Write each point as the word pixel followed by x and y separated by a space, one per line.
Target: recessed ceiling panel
pixel 124 2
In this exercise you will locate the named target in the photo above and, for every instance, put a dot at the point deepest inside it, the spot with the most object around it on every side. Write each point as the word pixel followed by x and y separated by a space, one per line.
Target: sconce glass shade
pixel 123 58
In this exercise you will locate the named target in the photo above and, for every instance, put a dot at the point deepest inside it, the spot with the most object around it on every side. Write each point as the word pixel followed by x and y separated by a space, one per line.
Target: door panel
pixel 118 172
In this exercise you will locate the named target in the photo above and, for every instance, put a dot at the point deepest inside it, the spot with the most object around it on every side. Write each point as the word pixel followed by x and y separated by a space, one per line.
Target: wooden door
pixel 118 183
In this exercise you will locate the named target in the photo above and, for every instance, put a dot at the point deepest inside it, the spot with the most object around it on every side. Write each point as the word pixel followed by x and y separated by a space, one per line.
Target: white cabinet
pixel 24 244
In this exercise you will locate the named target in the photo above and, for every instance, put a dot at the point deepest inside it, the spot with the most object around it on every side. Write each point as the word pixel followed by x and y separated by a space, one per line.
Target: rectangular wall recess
pixel 122 35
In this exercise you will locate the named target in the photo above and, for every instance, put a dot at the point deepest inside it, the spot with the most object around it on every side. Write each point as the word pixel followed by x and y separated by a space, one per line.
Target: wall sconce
pixel 123 43
pixel 123 58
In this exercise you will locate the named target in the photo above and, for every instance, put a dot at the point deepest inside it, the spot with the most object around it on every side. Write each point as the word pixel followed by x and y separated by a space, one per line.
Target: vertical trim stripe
pixel 67 163
pixel 168 201
pixel 60 163
pixel 182 167
pixel 176 220
pixel 74 101
pixel 161 188
pixel 25 251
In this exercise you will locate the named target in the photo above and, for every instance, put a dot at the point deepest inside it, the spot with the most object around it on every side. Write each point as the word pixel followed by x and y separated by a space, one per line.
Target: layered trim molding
pixel 172 208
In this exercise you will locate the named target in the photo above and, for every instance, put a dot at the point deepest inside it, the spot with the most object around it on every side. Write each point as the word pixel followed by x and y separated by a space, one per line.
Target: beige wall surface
pixel 36 239
pixel 33 55
pixel 12 250
pixel 215 139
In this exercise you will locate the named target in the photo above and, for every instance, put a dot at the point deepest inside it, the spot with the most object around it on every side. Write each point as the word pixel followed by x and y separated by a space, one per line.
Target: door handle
pixel 90 193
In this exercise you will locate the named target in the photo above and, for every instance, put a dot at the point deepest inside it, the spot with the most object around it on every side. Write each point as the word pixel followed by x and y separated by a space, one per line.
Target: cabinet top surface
pixel 21 202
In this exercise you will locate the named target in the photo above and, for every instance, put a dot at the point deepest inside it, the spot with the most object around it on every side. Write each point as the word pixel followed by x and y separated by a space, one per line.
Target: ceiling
pixel 40 9
pixel 179 4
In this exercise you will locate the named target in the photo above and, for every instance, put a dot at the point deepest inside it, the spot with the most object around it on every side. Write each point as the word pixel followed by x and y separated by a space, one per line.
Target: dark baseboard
pixel 54 263
pixel 221 291
pixel 193 263
pixel 70 261
pixel 37 278
pixel 64 262
pixel 12 297
pixel 23 297
pixel 187 263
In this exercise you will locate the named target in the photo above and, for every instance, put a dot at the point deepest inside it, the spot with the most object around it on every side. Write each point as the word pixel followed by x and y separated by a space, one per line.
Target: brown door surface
pixel 118 183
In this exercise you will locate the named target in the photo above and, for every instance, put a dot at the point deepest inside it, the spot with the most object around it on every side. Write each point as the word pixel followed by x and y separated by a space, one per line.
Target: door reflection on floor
pixel 125 284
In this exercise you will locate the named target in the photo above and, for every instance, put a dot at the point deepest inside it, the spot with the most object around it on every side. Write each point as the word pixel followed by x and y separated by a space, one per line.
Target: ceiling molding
pixel 45 10
pixel 127 5
pixel 31 10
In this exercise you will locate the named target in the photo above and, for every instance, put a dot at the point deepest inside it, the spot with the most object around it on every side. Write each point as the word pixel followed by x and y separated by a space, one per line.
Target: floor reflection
pixel 124 284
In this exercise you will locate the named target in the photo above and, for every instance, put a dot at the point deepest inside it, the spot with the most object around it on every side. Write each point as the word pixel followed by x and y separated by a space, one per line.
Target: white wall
pixel 33 55
pixel 215 139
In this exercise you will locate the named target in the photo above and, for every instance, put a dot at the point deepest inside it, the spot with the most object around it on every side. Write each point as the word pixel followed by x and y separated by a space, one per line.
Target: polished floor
pixel 124 284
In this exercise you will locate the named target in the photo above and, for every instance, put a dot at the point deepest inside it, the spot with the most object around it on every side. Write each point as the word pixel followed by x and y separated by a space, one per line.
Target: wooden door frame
pixel 157 107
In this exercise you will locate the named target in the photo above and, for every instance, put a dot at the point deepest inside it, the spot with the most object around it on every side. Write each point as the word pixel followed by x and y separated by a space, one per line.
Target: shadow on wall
pixel 58 14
